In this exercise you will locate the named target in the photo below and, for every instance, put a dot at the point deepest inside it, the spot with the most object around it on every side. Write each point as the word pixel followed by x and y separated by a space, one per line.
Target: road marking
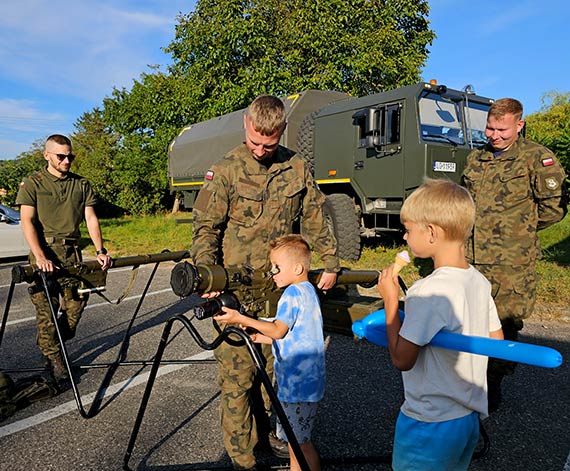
pixel 88 399
pixel 567 465
pixel 91 306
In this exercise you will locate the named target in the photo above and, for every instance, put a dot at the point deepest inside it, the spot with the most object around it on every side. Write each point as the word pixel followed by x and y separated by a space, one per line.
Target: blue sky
pixel 60 58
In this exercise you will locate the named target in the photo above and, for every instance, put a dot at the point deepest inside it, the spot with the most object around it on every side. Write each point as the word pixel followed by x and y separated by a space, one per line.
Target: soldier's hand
pixel 104 260
pixel 45 264
pixel 327 281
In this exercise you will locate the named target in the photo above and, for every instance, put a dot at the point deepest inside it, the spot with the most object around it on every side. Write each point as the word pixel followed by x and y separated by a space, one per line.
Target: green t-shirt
pixel 60 202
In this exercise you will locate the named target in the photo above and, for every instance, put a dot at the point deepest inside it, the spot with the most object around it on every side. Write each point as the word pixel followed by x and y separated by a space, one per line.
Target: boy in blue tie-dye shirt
pixel 296 335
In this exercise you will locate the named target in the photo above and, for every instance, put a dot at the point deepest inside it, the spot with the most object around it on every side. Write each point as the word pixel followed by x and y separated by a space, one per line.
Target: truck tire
pixel 342 218
pixel 305 140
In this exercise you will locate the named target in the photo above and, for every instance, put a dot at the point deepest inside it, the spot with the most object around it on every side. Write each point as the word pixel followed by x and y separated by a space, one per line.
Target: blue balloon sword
pixel 373 328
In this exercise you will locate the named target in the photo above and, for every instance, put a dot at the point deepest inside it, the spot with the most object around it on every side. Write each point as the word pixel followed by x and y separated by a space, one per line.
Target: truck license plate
pixel 444 166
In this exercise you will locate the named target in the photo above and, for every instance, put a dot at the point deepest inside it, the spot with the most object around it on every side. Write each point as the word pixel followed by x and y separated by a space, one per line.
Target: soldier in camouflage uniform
pixel 518 188
pixel 53 203
pixel 257 192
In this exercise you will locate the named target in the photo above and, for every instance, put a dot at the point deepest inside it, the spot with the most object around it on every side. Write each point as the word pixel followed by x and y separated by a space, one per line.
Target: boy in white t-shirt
pixel 445 390
pixel 296 336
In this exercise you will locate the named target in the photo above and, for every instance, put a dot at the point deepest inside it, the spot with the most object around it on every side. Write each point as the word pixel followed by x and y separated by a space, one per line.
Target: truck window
pixel 440 119
pixel 369 122
pixel 378 126
pixel 476 121
pixel 393 124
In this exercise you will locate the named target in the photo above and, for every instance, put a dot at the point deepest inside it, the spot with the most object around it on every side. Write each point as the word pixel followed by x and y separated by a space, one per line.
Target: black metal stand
pixel 211 346
pixel 111 367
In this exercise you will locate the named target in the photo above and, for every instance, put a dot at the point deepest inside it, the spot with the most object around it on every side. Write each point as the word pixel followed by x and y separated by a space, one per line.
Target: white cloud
pixel 80 48
pixel 60 58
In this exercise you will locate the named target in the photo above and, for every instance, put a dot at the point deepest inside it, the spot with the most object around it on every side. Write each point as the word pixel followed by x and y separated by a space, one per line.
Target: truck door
pixel 378 157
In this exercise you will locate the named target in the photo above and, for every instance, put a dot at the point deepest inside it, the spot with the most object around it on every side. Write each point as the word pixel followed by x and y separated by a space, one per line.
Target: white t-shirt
pixel 446 384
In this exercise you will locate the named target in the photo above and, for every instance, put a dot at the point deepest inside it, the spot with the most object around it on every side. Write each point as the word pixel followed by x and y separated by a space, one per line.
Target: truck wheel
pixel 305 140
pixel 342 218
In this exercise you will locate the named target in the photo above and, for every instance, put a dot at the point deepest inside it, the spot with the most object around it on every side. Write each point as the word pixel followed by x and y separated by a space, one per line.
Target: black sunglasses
pixel 62 157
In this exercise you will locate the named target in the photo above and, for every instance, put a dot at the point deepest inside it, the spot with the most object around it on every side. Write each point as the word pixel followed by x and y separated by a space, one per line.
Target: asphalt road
pixel 180 431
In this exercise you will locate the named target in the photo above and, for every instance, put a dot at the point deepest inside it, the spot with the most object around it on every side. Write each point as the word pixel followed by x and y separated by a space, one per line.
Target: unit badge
pixel 551 183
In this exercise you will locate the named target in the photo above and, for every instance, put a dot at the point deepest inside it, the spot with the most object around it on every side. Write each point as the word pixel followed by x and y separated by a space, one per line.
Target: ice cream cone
pixel 402 259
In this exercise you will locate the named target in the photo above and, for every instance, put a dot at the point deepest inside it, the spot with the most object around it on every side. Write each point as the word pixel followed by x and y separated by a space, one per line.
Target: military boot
pixel 58 369
pixel 279 447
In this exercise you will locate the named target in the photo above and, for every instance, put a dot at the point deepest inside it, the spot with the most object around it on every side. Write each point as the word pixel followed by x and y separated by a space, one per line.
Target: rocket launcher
pixel 187 279
pixel 89 275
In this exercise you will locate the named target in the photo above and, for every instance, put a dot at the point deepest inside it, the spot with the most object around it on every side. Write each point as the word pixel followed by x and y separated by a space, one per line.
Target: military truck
pixel 367 154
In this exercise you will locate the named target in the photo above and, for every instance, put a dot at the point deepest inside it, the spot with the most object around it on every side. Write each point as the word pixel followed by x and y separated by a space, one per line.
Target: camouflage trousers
pixel 67 304
pixel 514 292
pixel 245 407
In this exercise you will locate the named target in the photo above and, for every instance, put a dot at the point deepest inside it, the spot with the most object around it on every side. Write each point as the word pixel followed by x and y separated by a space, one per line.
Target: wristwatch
pixel 103 251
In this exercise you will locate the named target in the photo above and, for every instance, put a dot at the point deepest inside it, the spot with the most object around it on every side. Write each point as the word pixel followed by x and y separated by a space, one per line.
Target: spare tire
pixel 305 140
pixel 342 217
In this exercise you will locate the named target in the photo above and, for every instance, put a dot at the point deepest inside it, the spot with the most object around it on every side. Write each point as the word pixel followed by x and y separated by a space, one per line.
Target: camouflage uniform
pixel 516 193
pixel 60 208
pixel 241 207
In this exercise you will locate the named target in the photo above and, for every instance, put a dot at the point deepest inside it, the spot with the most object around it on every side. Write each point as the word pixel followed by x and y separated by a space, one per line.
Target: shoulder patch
pixel 551 183
pixel 209 175
pixel 547 161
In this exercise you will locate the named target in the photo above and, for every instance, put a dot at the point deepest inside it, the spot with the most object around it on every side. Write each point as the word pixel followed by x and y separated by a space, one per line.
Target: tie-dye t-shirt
pixel 300 354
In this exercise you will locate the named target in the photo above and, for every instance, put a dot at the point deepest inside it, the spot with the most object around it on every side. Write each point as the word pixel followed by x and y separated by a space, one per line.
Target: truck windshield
pixel 441 119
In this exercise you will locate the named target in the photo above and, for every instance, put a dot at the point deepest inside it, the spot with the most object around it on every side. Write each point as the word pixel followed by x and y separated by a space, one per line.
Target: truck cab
pixel 370 153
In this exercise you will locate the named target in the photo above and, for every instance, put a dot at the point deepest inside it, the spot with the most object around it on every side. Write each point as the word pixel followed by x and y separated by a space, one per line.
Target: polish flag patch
pixel 209 175
pixel 548 161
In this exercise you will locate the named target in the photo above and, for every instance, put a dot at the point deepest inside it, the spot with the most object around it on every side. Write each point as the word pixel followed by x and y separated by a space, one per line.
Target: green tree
pixel 226 52
pixel 551 126
pixel 232 50
pixel 13 171
pixel 96 150
pixel 145 120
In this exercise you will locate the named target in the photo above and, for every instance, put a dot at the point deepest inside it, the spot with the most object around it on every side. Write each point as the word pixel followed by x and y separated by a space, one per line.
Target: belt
pixel 61 241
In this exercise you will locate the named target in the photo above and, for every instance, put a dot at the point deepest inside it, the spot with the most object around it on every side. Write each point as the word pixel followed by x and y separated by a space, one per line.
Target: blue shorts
pixel 435 446
pixel 301 417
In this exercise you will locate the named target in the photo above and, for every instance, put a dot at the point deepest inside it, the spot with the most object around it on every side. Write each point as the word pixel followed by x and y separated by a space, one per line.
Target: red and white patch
pixel 21 183
pixel 548 161
pixel 209 175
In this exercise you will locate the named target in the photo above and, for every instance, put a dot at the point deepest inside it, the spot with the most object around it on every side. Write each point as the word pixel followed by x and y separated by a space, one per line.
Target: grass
pixel 153 234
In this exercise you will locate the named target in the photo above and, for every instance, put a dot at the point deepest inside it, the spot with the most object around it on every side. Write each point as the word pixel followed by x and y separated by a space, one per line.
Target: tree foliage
pixel 145 120
pixel 551 126
pixel 96 150
pixel 231 50
pixel 225 53
pixel 13 171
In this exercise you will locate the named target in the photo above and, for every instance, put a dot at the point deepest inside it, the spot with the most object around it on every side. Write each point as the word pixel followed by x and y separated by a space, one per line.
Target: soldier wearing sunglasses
pixel 53 204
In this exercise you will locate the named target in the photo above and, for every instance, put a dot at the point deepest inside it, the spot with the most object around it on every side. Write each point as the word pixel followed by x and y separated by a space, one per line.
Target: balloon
pixel 373 328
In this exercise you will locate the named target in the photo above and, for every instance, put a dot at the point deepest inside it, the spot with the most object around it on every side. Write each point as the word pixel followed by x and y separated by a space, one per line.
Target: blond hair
pixel 444 204
pixel 267 114
pixel 505 106
pixel 297 248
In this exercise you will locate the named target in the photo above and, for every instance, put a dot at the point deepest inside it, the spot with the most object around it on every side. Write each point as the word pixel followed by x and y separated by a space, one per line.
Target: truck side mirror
pixel 369 122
